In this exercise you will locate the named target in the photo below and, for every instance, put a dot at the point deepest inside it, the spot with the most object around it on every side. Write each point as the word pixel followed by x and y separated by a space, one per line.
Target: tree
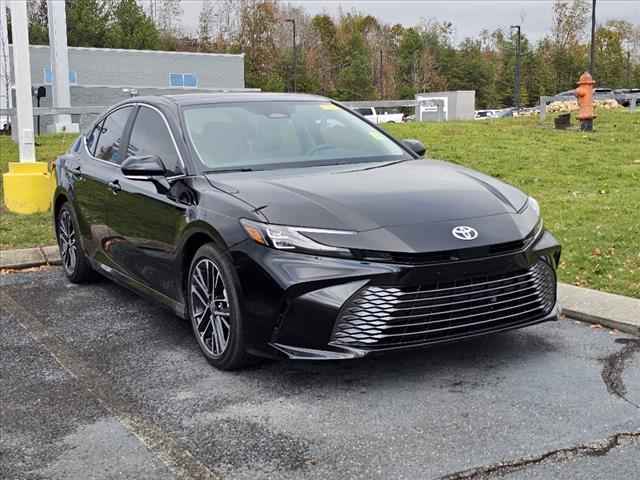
pixel 205 27
pixel 354 81
pixel 130 27
pixel 87 22
pixel 410 53
pixel 258 21
pixel 168 16
pixel 356 56
pixel 611 57
pixel 570 19
pixel 38 27
pixel 324 53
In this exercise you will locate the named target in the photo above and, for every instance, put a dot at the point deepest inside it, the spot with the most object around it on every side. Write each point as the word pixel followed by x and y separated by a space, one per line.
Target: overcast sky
pixel 468 16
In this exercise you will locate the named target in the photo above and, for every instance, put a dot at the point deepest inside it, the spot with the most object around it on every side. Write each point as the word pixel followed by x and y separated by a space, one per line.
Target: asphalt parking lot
pixel 99 383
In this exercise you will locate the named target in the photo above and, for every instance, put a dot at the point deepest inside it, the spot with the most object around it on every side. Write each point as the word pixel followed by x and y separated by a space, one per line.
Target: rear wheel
pixel 214 309
pixel 74 262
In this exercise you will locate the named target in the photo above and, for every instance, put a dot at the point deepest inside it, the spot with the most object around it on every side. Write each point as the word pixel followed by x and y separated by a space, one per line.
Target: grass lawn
pixel 588 186
pixel 18 231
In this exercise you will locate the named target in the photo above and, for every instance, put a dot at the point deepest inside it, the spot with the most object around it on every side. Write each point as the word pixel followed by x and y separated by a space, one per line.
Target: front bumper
pixel 302 306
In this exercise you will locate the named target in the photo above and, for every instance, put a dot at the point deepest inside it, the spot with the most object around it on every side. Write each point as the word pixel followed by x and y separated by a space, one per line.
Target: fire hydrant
pixel 584 92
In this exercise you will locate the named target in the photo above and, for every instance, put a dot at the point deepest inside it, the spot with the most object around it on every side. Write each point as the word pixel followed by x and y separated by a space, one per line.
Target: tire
pixel 221 338
pixel 74 261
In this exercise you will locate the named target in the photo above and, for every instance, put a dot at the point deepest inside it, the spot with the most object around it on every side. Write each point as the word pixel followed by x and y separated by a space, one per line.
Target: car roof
pixel 230 97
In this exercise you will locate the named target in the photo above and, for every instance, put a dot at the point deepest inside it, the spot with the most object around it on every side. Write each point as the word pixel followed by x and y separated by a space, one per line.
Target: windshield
pixel 263 135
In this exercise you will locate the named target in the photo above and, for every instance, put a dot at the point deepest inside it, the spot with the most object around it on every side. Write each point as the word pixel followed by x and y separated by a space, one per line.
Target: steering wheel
pixel 320 148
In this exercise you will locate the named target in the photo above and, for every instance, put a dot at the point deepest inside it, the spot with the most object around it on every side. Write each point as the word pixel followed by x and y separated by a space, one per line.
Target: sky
pixel 468 16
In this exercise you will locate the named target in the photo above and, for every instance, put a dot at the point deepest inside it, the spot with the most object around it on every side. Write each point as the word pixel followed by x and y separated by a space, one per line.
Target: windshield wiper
pixel 230 170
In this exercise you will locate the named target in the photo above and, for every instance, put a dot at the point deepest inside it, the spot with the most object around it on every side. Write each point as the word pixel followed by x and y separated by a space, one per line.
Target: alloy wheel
pixel 68 242
pixel 210 308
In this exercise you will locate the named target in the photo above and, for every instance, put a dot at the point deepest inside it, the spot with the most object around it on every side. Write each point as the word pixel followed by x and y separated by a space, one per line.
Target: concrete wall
pixel 102 73
pixel 142 68
pixel 101 96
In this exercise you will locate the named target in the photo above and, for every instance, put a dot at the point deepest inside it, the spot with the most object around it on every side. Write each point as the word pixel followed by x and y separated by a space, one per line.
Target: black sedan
pixel 287 225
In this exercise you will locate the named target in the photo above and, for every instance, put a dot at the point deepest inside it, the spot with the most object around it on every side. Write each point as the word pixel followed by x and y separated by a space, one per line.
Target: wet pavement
pixel 99 383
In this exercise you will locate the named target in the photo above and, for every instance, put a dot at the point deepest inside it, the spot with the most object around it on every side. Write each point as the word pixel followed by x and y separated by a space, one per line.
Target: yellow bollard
pixel 28 187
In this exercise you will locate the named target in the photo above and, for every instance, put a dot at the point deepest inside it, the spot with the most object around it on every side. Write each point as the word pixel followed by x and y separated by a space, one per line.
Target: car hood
pixel 369 196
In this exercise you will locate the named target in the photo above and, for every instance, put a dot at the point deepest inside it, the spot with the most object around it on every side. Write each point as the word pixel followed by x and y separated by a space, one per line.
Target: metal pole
pixel 5 66
pixel 592 58
pixel 59 58
pixel 22 75
pixel 292 21
pixel 381 76
pixel 516 89
pixel 295 58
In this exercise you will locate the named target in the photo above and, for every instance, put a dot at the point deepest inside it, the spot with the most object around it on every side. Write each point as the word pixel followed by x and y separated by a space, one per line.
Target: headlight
pixel 283 237
pixel 533 203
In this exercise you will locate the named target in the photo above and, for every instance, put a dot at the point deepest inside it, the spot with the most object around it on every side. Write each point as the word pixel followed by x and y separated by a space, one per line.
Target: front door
pixel 98 162
pixel 145 217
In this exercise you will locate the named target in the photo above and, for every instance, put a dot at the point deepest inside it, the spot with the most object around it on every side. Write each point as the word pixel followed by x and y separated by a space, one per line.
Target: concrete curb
pixel 29 257
pixel 607 309
pixel 591 306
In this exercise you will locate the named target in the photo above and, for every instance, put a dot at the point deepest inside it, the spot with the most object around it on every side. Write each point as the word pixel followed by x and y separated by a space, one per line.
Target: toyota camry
pixel 289 226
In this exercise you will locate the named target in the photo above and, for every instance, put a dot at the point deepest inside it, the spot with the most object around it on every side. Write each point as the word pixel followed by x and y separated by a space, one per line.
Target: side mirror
pixel 415 146
pixel 143 167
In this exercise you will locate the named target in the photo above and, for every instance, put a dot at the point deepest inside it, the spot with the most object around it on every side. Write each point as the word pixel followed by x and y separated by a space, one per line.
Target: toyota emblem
pixel 462 232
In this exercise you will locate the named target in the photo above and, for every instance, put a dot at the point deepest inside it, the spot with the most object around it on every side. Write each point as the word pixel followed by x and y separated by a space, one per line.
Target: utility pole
pixel 292 21
pixel 516 89
pixel 59 59
pixel 592 58
pixel 5 64
pixel 28 184
pixel 22 75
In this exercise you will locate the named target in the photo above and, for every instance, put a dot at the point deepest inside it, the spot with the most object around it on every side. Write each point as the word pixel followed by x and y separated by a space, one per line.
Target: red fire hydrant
pixel 584 92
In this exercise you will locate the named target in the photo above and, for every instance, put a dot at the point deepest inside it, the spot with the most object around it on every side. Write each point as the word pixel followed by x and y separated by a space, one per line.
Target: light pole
pixel 22 75
pixel 381 73
pixel 59 58
pixel 592 59
pixel 516 89
pixel 292 21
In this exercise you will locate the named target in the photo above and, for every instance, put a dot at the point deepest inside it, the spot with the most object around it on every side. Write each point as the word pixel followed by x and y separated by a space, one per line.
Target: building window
pixel 186 80
pixel 48 76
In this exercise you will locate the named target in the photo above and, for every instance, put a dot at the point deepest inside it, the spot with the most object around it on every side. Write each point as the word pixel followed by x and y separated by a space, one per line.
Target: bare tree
pixel 168 15
pixel 570 18
pixel 205 24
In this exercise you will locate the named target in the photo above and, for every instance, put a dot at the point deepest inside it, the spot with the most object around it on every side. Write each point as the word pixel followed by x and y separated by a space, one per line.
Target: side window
pixel 110 140
pixel 151 137
pixel 92 138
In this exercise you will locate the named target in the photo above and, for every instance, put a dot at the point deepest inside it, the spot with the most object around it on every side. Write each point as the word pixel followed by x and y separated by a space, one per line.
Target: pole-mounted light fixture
pixel 292 21
pixel 516 89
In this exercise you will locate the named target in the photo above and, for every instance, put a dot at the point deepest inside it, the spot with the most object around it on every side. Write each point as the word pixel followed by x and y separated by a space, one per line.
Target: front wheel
pixel 214 309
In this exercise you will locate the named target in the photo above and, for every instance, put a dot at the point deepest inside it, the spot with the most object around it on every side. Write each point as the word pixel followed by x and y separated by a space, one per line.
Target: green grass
pixel 587 184
pixel 21 231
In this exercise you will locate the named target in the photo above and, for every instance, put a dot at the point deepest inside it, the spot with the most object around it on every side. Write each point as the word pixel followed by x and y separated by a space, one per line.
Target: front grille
pixel 448 255
pixel 386 317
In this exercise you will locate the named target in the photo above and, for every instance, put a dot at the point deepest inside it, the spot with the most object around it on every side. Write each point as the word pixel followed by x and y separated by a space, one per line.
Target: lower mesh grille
pixel 379 316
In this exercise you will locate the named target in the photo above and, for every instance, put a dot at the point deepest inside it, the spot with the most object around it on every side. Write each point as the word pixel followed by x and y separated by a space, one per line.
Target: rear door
pixel 145 217
pixel 98 161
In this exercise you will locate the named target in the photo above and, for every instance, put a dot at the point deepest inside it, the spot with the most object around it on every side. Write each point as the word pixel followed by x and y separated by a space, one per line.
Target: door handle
pixel 115 187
